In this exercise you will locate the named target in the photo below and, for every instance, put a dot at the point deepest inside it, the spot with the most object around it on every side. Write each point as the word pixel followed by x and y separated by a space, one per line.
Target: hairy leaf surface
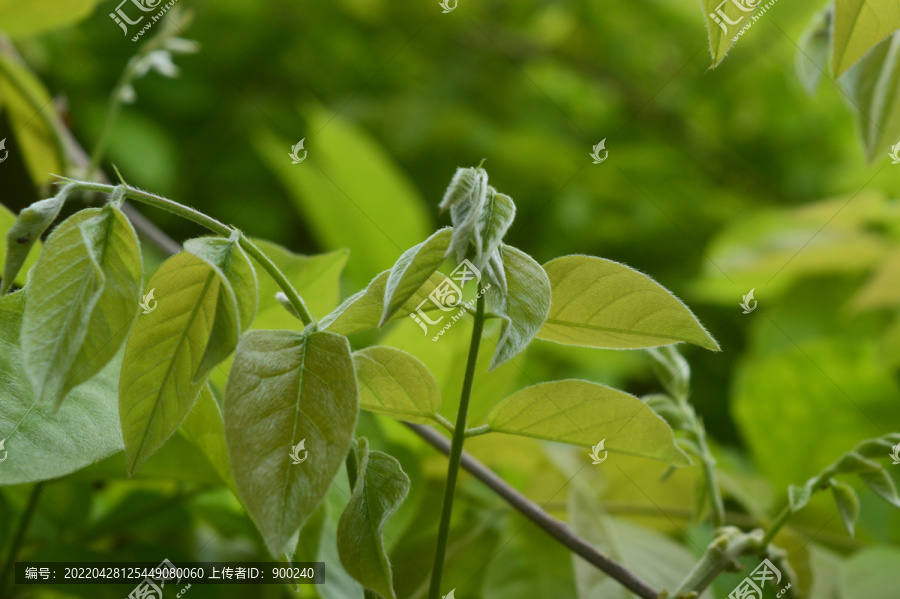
pixel 286 388
pixel 396 383
pixel 381 486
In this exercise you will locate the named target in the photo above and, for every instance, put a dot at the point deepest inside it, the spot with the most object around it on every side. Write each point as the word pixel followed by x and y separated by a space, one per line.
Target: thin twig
pixel 556 529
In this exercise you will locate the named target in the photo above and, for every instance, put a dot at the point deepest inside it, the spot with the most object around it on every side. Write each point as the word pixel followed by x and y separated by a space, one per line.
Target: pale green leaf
pixel 524 307
pixel 871 573
pixel 465 197
pixel 25 232
pixel 847 504
pixel 651 555
pixel 811 58
pixel 232 265
pixel 724 20
pixel 363 310
pixel 381 486
pixel 873 88
pixel 880 483
pixel 33 17
pixel 584 413
pixel 412 270
pixel 162 373
pixel 798 497
pixel 83 297
pixel 858 26
pixel 21 91
pixel 350 191
pixel 203 426
pixel 286 388
pixel 396 383
pixel 41 444
pixel 496 219
pixel 601 303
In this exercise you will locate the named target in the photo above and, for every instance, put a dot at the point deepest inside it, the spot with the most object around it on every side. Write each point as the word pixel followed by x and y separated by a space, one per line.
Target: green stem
pixel 722 554
pixel 456 447
pixel 20 532
pixel 213 225
pixel 779 522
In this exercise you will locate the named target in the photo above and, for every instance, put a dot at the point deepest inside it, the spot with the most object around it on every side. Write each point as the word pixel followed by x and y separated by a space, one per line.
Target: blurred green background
pixel 717 181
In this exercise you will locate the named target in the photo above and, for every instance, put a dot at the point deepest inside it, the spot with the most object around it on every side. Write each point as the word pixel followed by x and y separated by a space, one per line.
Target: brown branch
pixel 556 529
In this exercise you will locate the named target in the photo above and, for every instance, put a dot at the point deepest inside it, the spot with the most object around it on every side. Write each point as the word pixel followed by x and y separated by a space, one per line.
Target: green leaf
pixel 871 573
pixel 798 497
pixel 811 58
pixel 286 388
pixel 83 297
pixel 847 504
pixel 651 555
pixel 41 15
pixel 203 426
pixel 524 307
pixel 25 232
pixel 723 22
pixel 880 483
pixel 584 413
pixel 350 191
pixel 21 91
pixel 496 219
pixel 858 26
pixel 381 486
pixel 873 88
pixel 396 383
pixel 166 359
pixel 7 221
pixel 41 444
pixel 232 265
pixel 363 310
pixel 465 197
pixel 601 303
pixel 412 270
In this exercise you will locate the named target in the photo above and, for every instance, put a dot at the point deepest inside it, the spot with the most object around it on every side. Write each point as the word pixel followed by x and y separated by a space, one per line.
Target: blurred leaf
pixel 871 573
pixel 363 310
pixel 529 565
pixel 847 504
pixel 582 413
pixel 654 557
pixel 42 444
pixel 826 572
pixel 166 353
pixel 872 86
pixel 811 58
pixel 412 271
pixel 286 388
pixel 40 15
pixel 350 192
pixel 858 26
pixel 204 428
pixel 601 303
pixel 82 300
pixel 776 397
pixel 525 306
pixel 21 91
pixel 882 290
pixel 381 486
pixel 395 383
pixel 23 232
